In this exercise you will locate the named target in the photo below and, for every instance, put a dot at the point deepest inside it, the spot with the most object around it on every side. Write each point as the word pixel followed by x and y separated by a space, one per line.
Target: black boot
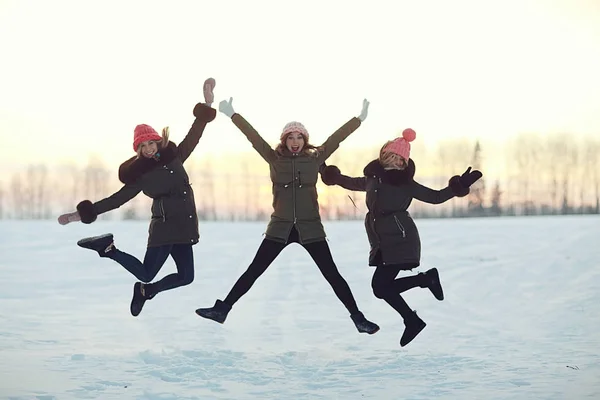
pixel 432 282
pixel 413 326
pixel 217 313
pixel 103 244
pixel 364 325
pixel 140 295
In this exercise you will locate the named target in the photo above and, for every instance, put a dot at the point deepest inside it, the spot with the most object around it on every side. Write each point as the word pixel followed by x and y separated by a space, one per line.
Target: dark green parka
pixel 294 177
pixel 391 231
pixel 173 213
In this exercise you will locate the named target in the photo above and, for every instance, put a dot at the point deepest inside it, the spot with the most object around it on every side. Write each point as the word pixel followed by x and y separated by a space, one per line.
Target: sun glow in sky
pixel 77 76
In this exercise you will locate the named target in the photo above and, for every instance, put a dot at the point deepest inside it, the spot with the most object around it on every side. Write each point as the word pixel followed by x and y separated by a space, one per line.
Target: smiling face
pixel 391 160
pixel 148 148
pixel 294 142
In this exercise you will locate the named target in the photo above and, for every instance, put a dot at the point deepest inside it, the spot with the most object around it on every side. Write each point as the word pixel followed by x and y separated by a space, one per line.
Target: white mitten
pixel 365 110
pixel 69 217
pixel 226 108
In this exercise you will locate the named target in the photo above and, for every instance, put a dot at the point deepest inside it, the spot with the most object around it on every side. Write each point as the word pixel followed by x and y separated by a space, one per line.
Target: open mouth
pixel 295 149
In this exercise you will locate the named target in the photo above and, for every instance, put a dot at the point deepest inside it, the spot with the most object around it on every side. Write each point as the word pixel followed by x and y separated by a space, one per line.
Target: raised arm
pixel 333 142
pixel 259 144
pixel 331 175
pixel 204 114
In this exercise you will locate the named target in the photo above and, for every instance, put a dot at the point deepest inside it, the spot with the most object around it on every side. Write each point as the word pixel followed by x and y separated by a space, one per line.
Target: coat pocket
pixel 400 226
pixel 158 210
pixel 162 209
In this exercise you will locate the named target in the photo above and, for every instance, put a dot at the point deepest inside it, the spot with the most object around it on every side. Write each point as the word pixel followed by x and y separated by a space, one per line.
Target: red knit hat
pixel 401 145
pixel 144 133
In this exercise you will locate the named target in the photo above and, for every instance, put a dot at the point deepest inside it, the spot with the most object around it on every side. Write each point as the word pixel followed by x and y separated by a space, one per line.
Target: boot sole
pixel 435 274
pixel 373 332
pixel 86 241
pixel 212 319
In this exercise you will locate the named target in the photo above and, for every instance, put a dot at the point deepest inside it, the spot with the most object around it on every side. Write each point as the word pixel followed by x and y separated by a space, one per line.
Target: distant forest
pixel 542 175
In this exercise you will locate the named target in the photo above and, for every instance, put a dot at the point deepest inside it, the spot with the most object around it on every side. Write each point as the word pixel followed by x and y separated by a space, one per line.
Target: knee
pixel 187 278
pixel 380 290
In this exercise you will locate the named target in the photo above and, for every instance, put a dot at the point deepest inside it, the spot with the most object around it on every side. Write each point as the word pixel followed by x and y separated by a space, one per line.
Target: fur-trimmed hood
pixel 132 169
pixel 394 177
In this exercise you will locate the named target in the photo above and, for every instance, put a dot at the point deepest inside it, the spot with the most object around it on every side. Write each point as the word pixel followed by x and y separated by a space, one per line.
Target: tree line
pixel 540 175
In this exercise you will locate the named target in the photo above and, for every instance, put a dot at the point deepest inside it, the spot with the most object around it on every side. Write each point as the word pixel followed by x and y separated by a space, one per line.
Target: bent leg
pixel 384 287
pixel 183 256
pixel 153 261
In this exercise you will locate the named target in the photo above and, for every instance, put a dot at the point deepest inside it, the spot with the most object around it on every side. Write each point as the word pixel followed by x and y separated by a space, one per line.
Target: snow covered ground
pixel 521 319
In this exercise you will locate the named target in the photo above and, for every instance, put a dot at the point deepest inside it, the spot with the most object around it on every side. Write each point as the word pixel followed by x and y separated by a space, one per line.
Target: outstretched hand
pixel 226 107
pixel 69 217
pixel 365 110
pixel 468 178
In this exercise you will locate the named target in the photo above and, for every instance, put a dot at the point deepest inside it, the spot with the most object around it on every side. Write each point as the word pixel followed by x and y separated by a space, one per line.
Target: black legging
pixel 321 255
pixel 154 260
pixel 388 288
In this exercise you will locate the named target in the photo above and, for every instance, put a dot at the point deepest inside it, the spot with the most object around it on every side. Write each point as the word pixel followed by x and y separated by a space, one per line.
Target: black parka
pixel 392 233
pixel 164 179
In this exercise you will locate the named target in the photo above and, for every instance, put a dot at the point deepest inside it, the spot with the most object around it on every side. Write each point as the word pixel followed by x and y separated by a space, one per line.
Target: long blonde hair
pixel 389 160
pixel 161 145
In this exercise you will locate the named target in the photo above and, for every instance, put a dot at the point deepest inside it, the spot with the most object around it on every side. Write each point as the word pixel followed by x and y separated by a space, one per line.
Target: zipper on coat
pixel 294 188
pixel 162 210
pixel 400 226
pixel 294 197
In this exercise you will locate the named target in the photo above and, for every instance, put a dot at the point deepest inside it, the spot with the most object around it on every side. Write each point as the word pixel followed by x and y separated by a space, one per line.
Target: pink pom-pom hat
pixel 401 145
pixel 294 126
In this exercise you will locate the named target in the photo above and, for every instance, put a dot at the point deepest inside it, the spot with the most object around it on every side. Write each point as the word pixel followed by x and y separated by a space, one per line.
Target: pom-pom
pixel 409 135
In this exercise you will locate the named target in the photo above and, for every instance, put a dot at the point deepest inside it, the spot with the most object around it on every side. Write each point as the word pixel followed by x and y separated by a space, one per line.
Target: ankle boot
pixel 140 295
pixel 103 244
pixel 413 326
pixel 431 280
pixel 364 325
pixel 217 313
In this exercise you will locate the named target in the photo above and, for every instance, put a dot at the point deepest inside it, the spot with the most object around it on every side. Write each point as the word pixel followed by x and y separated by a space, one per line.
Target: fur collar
pixel 393 177
pixel 132 169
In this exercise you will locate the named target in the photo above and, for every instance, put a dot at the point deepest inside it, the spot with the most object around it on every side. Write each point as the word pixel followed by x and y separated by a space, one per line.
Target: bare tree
pixel 568 167
pixel 524 161
pixel 475 200
pixel 496 200
pixel 95 179
pixel 208 188
pixel 28 192
pixel 37 189
pixel 590 178
pixel 18 196
pixel 452 157
pixel 2 201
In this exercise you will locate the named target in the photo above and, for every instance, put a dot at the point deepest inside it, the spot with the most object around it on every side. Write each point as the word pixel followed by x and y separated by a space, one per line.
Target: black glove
pixel 468 178
pixel 329 174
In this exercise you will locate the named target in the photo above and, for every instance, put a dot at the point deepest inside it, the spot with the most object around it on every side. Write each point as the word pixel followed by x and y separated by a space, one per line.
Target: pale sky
pixel 77 76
